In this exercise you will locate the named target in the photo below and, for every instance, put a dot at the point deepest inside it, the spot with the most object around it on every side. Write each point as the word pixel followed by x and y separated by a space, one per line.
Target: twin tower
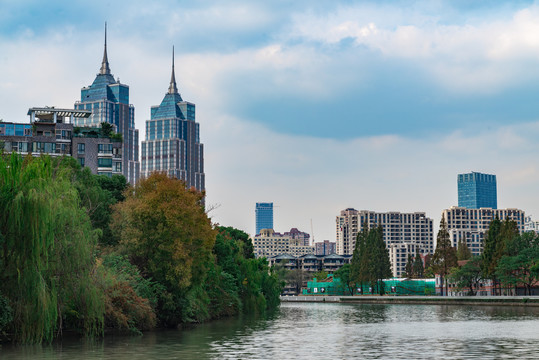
pixel 172 142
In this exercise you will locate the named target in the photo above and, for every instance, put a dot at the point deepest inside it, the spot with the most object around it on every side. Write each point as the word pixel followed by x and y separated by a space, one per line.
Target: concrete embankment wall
pixel 418 300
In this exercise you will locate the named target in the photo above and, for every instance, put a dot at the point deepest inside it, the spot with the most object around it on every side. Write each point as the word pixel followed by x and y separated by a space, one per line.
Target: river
pixel 325 331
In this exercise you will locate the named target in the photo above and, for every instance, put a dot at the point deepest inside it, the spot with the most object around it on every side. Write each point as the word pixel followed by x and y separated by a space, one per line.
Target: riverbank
pixel 528 301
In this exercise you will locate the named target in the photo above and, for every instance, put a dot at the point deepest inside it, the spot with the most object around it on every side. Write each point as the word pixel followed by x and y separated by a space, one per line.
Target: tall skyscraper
pixel 108 100
pixel 172 140
pixel 264 216
pixel 477 190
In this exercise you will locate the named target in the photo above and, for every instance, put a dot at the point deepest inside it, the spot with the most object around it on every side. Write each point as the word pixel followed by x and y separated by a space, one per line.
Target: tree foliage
pixel 445 256
pixel 344 275
pixel 409 268
pixel 46 251
pixel 418 268
pixel 463 252
pixel 467 276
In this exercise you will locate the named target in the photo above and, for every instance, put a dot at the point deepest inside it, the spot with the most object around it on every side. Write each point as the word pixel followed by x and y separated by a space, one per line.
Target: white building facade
pixel 270 243
pixel 403 233
pixel 471 225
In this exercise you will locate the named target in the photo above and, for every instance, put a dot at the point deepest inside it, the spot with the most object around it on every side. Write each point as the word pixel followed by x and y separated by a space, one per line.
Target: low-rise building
pixel 531 225
pixel 51 132
pixel 311 263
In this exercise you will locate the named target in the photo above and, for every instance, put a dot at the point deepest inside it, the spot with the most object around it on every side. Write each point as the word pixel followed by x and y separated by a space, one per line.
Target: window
pixel 81 161
pixel 104 148
pixel 104 162
pixel 118 167
pixel 81 148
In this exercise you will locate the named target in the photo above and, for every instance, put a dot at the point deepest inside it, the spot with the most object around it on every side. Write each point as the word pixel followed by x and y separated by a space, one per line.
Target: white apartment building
pixel 531 225
pixel 471 225
pixel 404 233
pixel 270 243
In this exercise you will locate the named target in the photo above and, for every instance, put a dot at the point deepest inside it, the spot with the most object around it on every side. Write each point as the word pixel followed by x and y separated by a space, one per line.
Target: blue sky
pixel 315 105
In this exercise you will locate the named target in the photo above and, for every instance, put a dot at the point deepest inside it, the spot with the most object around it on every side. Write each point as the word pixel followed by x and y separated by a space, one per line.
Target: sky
pixel 316 106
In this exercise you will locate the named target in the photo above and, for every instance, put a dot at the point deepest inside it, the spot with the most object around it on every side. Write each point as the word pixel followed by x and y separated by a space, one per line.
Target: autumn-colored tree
pixel 165 231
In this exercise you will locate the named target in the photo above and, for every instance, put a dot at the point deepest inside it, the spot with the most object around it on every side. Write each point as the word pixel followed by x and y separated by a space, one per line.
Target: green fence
pixel 395 286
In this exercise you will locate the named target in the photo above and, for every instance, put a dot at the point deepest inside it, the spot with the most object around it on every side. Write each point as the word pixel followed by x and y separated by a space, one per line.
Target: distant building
pixel 264 216
pixel 477 190
pixel 471 225
pixel 172 142
pixel 531 225
pixel 325 248
pixel 404 234
pixel 51 132
pixel 108 101
pixel 301 236
pixel 270 243
pixel 311 263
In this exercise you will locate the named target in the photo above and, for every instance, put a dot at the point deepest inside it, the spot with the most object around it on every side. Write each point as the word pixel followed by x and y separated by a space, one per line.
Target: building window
pixel 81 148
pixel 81 161
pixel 118 167
pixel 104 162
pixel 104 148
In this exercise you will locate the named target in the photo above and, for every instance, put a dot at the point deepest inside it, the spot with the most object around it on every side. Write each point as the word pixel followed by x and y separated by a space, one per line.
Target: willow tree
pixel 46 251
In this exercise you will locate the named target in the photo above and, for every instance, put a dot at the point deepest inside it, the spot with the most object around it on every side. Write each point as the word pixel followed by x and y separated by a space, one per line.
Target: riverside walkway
pixel 532 301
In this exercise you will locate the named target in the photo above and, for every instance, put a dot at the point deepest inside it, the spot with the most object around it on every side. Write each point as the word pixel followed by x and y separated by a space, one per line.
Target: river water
pixel 325 331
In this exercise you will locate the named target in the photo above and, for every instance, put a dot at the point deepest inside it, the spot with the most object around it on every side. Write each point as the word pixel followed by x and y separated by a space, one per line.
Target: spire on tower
pixel 172 89
pixel 105 69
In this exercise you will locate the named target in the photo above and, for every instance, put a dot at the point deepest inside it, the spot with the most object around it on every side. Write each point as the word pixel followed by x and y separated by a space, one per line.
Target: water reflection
pixel 341 331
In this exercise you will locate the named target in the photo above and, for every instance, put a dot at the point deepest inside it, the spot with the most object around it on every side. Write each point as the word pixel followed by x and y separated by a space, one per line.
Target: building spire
pixel 105 69
pixel 172 89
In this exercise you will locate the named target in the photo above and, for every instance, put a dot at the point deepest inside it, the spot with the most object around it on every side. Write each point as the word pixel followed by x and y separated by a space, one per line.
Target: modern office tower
pixel 108 100
pixel 324 248
pixel 51 132
pixel 270 243
pixel 301 236
pixel 264 216
pixel 471 225
pixel 403 233
pixel 172 142
pixel 477 190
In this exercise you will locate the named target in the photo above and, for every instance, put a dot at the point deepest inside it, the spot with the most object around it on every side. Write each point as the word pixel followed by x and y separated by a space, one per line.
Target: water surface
pixel 325 331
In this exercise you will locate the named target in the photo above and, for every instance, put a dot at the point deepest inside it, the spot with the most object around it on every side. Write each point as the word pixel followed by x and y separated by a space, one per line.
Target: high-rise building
pixel 301 236
pixel 471 225
pixel 325 247
pixel 403 233
pixel 477 190
pixel 108 99
pixel 264 216
pixel 172 142
pixel 270 243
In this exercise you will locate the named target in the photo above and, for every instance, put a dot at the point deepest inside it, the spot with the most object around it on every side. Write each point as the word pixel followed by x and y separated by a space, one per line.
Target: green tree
pixel 107 129
pixel 344 275
pixel 320 275
pixel 463 252
pixel 418 268
pixel 521 264
pixel 296 278
pixel 409 268
pixel 445 256
pixel 47 250
pixel 380 266
pixel 359 266
pixel 467 276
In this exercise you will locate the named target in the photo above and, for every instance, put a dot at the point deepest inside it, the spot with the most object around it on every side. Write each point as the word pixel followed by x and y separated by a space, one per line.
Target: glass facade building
pixel 108 100
pixel 477 190
pixel 264 216
pixel 172 142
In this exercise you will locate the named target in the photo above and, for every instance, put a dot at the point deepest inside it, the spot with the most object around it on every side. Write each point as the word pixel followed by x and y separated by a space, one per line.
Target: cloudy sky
pixel 314 105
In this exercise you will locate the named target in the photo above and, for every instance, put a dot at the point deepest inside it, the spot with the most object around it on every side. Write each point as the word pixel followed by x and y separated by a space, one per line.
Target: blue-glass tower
pixel 172 142
pixel 477 190
pixel 108 100
pixel 264 216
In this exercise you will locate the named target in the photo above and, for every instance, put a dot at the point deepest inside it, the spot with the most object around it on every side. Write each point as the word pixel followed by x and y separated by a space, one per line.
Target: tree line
pixel 87 253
